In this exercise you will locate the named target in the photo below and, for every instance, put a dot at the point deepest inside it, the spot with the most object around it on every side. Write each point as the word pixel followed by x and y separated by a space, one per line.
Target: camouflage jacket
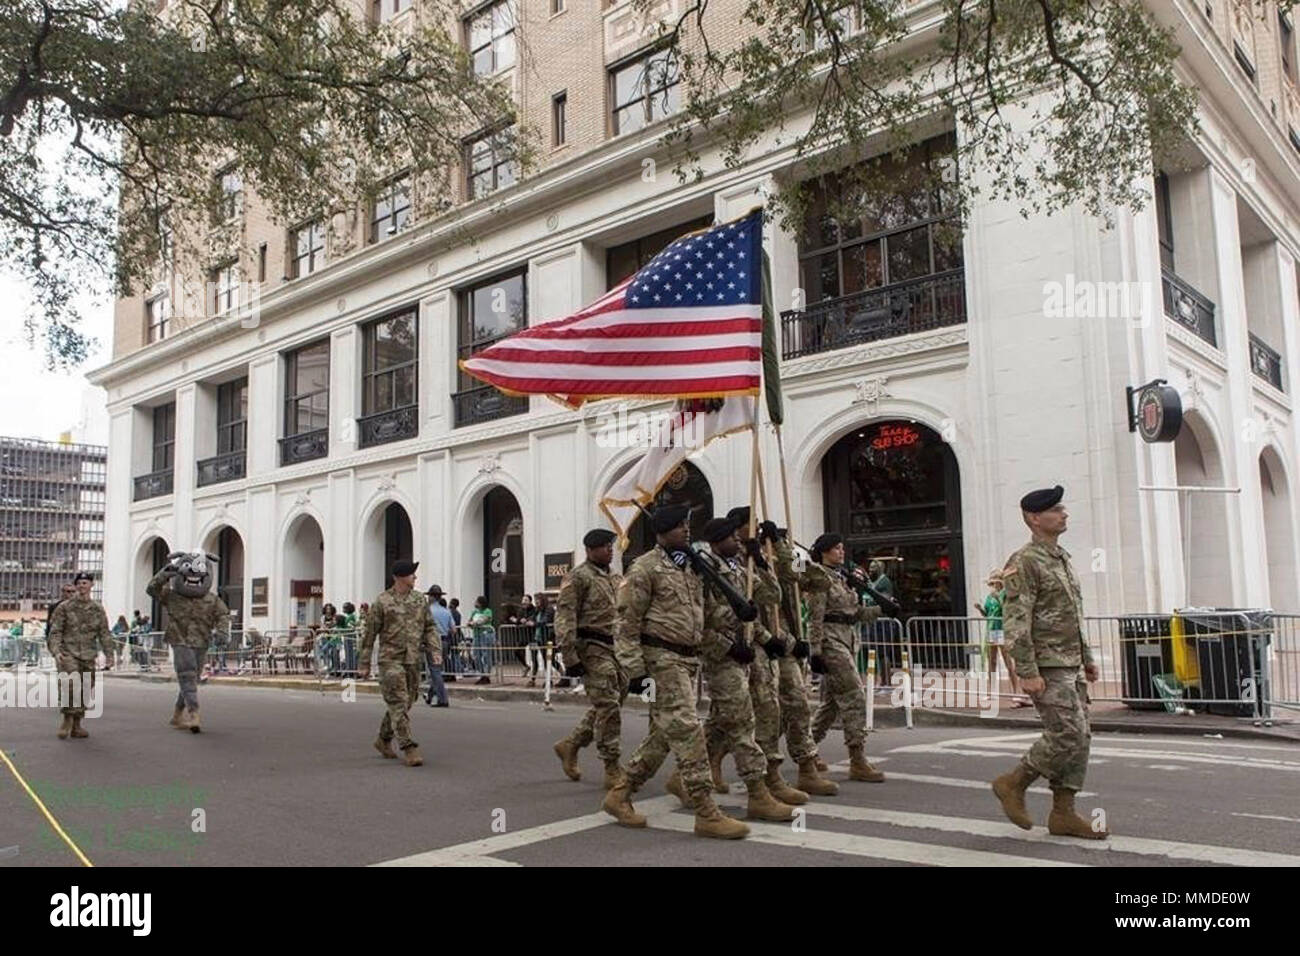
pixel 403 627
pixel 721 626
pixel 1042 615
pixel 79 628
pixel 789 578
pixel 190 621
pixel 829 595
pixel 588 599
pixel 657 598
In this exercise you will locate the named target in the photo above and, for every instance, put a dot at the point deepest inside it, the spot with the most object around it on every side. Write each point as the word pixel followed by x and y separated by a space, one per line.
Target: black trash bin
pixel 1148 651
pixel 1231 644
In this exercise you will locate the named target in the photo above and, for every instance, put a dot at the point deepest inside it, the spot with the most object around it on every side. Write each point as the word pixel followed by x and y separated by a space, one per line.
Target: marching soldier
pixel 728 657
pixel 399 619
pixel 657 642
pixel 833 612
pixel 194 614
pixel 78 631
pixel 1043 623
pixel 585 619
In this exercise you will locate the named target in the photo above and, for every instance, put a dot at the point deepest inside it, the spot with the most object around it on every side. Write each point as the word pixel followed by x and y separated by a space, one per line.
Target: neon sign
pixel 895 436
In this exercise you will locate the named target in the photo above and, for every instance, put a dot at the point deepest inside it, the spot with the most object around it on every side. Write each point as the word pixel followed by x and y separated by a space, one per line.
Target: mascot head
pixel 192 572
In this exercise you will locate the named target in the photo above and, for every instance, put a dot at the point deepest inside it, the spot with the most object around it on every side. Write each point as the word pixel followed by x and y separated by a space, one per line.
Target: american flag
pixel 689 324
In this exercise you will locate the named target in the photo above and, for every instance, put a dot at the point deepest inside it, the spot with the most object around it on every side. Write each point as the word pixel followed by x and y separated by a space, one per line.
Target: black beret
pixel 83 576
pixel 824 543
pixel 1042 499
pixel 739 515
pixel 669 517
pixel 718 528
pixel 402 568
pixel 598 538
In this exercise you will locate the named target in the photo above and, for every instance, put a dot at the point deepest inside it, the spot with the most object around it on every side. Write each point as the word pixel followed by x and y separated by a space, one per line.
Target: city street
pixel 290 778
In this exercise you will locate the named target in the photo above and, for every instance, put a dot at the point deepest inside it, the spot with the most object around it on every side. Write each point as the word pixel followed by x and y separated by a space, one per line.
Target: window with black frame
pixel 489 311
pixel 490 37
pixel 645 89
pixel 307 245
pixel 389 379
pixel 391 210
pixel 306 403
pixel 627 258
pixel 232 416
pixel 491 164
pixel 164 436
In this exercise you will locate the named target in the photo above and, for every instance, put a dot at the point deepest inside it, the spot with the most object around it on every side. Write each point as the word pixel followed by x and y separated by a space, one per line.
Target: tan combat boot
pixel 777 786
pixel 715 767
pixel 411 756
pixel 568 755
pixel 613 774
pixel 811 782
pixel 763 806
pixel 176 717
pixel 677 788
pixel 192 721
pixel 822 765
pixel 618 804
pixel 1063 821
pixel 712 822
pixel 1010 790
pixel 860 769
pixel 77 729
pixel 65 727
pixel 385 748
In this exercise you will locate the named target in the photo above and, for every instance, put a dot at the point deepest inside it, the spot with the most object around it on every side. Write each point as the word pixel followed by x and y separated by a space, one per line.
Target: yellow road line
pixel 48 816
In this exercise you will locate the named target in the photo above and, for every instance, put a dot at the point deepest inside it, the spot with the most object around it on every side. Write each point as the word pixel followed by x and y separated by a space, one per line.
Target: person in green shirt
pixel 485 638
pixel 994 642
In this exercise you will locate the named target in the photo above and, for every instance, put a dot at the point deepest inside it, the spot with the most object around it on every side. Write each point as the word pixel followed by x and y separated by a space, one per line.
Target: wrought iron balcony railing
pixel 485 403
pixel 931 302
pixel 154 485
pixel 304 447
pixel 1265 362
pixel 1185 305
pixel 219 468
pixel 395 424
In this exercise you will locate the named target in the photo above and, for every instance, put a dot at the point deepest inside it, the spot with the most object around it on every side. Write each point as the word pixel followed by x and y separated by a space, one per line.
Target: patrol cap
pixel 598 538
pixel 668 517
pixel 717 529
pixel 824 543
pixel 83 576
pixel 1042 499
pixel 402 569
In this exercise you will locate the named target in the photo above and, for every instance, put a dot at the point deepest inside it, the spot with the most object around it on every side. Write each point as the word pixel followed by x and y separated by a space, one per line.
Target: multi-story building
pixel 51 521
pixel 934 369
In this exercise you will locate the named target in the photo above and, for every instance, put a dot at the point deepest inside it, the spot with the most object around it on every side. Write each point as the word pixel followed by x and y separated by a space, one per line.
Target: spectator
pixel 442 621
pixel 994 642
pixel 350 637
pixel 327 641
pixel 485 638
pixel 543 624
pixel 523 619
pixel 362 611
pixel 454 607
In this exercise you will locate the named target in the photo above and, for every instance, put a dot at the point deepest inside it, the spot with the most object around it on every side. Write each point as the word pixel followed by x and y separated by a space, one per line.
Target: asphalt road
pixel 290 777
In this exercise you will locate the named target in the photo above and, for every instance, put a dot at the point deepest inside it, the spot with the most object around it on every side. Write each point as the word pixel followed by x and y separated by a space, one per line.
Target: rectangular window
pixel 164 436
pixel 1243 61
pixel 261 263
pixel 389 364
pixel 844 22
pixel 307 389
pixel 307 244
pixel 906 230
pixel 232 417
pixel 490 37
pixel 381 11
pixel 559 102
pixel 225 286
pixel 645 90
pixel 489 311
pixel 1286 39
pixel 392 209
pixel 158 310
pixel 230 189
pixel 1164 224
pixel 557 6
pixel 491 163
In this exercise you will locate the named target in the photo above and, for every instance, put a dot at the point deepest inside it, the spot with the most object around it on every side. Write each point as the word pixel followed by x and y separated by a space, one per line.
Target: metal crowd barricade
pixel 1284 661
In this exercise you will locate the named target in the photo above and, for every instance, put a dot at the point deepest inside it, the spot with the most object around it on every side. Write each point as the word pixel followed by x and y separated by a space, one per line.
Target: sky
pixel 35 402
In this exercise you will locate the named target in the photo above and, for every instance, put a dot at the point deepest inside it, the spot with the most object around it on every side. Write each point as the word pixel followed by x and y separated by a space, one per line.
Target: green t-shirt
pixel 993 610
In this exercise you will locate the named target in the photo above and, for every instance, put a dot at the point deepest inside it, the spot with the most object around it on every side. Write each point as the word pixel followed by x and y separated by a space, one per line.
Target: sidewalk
pixel 1107 716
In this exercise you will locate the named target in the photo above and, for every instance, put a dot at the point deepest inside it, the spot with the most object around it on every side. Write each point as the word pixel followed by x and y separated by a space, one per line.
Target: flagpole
pixel 785 494
pixel 753 509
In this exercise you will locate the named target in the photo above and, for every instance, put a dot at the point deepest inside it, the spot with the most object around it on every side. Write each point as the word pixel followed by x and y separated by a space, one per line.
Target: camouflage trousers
pixel 75 688
pixel 188 662
pixel 730 727
pixel 767 705
pixel 842 696
pixel 400 686
pixel 1061 754
pixel 796 714
pixel 674 724
pixel 606 689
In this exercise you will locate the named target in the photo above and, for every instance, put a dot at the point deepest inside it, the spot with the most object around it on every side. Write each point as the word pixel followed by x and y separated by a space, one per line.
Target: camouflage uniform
pixel 792 679
pixel 834 612
pixel 405 631
pixel 1043 621
pixel 78 631
pixel 666 603
pixel 587 609
pixel 191 622
pixel 731 723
